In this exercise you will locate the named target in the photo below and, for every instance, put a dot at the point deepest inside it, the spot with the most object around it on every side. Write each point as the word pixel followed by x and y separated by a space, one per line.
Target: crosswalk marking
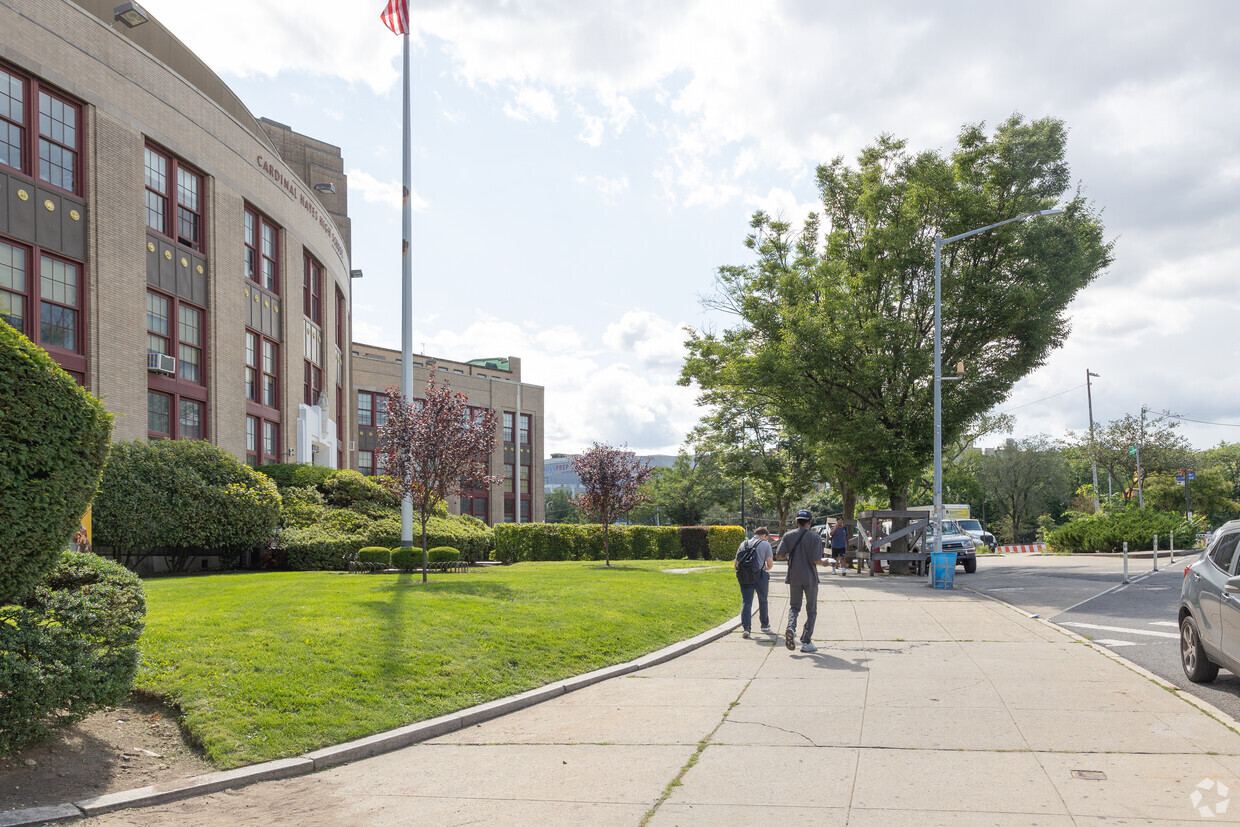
pixel 1115 643
pixel 1149 632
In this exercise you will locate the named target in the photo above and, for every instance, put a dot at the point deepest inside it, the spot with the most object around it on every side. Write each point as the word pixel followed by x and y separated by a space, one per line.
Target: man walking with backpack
pixel 802 549
pixel 753 564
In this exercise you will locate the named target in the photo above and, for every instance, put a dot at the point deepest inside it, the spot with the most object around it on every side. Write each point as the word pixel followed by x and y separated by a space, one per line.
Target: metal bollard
pixel 1155 552
pixel 1173 548
pixel 1125 561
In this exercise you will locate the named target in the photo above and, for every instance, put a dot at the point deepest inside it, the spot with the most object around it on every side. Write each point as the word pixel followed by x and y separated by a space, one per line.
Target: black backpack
pixel 748 564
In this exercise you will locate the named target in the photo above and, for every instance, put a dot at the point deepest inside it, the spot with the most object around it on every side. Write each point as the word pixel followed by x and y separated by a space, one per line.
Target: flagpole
pixel 406 302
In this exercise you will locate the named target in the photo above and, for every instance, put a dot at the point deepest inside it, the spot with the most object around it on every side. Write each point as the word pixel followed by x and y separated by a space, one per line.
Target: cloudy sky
pixel 582 169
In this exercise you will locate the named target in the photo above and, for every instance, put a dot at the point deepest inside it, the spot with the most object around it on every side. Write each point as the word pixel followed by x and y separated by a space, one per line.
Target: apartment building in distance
pixel 486 383
pixel 186 262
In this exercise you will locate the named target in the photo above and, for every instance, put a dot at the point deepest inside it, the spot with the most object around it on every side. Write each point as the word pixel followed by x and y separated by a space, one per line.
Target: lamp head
pixel 1046 212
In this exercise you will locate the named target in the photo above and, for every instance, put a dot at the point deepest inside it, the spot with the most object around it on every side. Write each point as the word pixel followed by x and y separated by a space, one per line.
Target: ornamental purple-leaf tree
pixel 613 479
pixel 433 447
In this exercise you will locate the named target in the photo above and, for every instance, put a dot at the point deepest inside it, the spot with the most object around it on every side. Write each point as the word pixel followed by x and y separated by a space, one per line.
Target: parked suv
pixel 1210 609
pixel 980 535
pixel 955 539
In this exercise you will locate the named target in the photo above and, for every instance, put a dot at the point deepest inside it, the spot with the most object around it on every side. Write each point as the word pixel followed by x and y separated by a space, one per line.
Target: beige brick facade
pixel 486 383
pixel 140 87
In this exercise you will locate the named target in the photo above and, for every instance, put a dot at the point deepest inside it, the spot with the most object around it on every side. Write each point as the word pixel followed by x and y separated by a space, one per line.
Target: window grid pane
pixel 251 435
pixel 271 439
pixel 191 419
pixel 188 363
pixel 57 141
pixel 156 314
pixel 59 282
pixel 364 403
pixel 13 286
pixel 157 413
pixel 269 256
pixel 12 119
pixel 191 324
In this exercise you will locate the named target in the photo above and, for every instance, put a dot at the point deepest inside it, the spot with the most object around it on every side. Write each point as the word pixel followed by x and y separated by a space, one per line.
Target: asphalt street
pixel 1086 595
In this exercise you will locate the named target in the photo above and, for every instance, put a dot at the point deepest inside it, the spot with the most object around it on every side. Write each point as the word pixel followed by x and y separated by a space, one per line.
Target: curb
pixel 1190 699
pixel 350 751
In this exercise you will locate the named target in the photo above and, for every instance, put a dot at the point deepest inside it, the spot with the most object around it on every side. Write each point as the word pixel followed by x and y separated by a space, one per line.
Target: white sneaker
pixel 808 647
pixel 766 630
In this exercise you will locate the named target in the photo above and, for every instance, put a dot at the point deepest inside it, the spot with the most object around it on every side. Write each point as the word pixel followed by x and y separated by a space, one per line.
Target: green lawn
pixel 267 665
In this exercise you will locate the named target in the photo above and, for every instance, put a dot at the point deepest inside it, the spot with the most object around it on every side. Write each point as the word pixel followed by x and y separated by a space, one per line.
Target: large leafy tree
pixel 613 480
pixel 1026 477
pixel 1163 450
pixel 834 324
pixel 436 447
pixel 684 493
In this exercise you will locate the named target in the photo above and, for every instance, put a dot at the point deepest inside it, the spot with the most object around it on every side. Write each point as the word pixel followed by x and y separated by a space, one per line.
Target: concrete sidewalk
pixel 920 706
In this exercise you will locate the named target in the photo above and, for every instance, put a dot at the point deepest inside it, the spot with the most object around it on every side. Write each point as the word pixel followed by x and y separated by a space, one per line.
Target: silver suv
pixel 955 539
pixel 1210 609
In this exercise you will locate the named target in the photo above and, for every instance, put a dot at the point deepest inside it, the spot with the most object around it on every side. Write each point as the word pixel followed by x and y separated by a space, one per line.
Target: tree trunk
pixel 425 516
pixel 850 501
pixel 606 550
pixel 898 500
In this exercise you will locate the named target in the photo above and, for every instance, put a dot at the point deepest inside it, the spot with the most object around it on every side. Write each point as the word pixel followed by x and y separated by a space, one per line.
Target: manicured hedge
pixel 470 535
pixel 296 474
pixel 317 549
pixel 724 540
pixel 1109 532
pixel 53 443
pixel 694 541
pixel 570 541
pixel 373 558
pixel 442 554
pixel 182 497
pixel 68 648
pixel 406 559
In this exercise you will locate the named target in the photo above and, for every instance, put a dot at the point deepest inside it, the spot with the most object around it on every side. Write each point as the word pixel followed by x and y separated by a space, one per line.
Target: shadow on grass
pixel 601 566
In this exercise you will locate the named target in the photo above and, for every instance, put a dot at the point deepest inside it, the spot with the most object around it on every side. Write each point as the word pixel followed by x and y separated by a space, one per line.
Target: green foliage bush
pixel 373 558
pixel 316 549
pixel 406 559
pixel 473 537
pixel 182 496
pixel 296 474
pixel 724 540
pixel 694 542
pixel 1109 532
pixel 53 443
pixel 348 488
pixel 442 554
pixel 69 647
pixel 569 541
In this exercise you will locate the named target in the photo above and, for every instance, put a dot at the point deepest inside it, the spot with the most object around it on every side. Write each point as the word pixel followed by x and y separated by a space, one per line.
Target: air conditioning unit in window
pixel 352 445
pixel 161 363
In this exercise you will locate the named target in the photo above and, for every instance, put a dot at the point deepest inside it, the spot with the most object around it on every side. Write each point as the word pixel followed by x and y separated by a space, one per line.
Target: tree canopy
pixel 834 324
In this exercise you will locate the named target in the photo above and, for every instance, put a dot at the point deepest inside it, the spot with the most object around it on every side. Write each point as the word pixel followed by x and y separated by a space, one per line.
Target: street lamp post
pixel 939 244
pixel 1093 450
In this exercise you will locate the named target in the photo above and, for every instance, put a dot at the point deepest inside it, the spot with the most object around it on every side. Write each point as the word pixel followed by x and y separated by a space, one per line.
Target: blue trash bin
pixel 943 569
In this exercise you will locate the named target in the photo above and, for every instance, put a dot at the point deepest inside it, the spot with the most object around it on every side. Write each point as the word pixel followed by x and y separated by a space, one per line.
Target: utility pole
pixel 1140 439
pixel 1093 450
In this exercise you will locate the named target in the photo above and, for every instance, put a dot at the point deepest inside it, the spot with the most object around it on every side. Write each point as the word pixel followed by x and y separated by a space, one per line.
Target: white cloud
pixel 381 192
pixel 654 341
pixel 609 188
pixel 529 103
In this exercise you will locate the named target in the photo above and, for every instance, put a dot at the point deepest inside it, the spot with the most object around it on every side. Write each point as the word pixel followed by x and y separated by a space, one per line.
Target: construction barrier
pixel 1026 549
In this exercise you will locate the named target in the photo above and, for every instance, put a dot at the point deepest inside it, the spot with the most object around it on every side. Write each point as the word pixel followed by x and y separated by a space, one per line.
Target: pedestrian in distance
pixel 839 546
pixel 802 548
pixel 753 571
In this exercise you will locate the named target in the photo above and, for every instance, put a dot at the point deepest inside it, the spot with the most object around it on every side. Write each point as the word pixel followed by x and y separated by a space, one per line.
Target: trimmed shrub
pixel 348 488
pixel 53 443
pixel 68 648
pixel 406 559
pixel 694 543
pixel 724 540
pixel 568 541
pixel 442 554
pixel 296 474
pixel 373 558
pixel 473 537
pixel 182 497
pixel 668 539
pixel 1109 532
pixel 316 549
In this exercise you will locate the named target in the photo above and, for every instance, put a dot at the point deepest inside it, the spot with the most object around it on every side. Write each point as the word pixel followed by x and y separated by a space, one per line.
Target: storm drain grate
pixel 1089 775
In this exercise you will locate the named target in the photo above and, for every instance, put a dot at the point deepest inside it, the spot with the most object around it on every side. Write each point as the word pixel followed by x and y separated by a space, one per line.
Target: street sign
pixel 1132 450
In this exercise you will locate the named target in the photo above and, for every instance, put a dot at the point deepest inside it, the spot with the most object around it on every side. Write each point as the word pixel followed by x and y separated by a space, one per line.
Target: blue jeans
pixel 762 587
pixel 810 595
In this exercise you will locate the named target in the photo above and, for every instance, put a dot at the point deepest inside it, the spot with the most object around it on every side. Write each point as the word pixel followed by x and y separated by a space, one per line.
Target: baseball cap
pixel 804 515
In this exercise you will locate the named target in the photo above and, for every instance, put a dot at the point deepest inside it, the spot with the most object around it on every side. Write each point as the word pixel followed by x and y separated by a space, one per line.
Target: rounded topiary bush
pixel 373 558
pixel 68 648
pixel 53 443
pixel 406 559
pixel 442 554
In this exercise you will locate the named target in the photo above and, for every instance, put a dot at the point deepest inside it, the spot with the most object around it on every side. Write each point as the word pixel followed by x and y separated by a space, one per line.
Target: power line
pixel 1202 421
pixel 1043 399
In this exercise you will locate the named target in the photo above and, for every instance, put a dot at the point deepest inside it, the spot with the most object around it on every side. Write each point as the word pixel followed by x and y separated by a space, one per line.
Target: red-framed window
pixel 46 304
pixel 475 505
pixel 262 441
pixel 312 290
pixel 366 463
pixel 508 419
pixel 28 107
pixel 262 250
pixel 172 416
pixel 175 327
pixel 365 409
pixel 262 370
pixel 174 198
pixel 339 319
pixel 313 383
pixel 524 432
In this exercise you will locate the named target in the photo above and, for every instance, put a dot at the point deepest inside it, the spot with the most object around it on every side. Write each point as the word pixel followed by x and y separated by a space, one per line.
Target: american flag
pixel 396 16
